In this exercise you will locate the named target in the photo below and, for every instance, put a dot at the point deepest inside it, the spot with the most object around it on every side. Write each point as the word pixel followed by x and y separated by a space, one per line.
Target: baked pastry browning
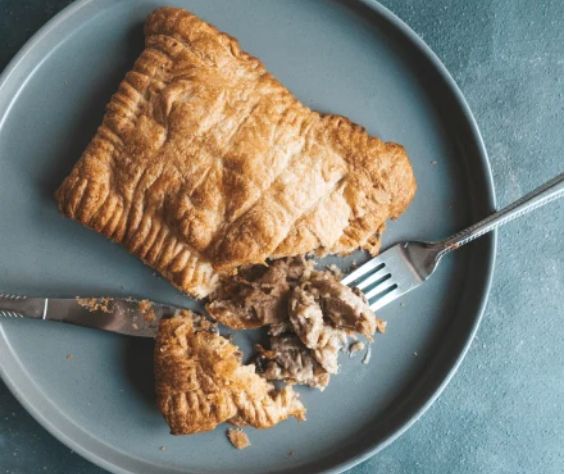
pixel 201 382
pixel 204 162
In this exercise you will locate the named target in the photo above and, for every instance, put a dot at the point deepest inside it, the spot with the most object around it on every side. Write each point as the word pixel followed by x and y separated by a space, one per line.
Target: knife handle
pixel 16 306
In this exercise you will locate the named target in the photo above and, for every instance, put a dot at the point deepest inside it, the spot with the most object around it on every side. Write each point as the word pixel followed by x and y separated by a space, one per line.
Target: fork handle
pixel 542 195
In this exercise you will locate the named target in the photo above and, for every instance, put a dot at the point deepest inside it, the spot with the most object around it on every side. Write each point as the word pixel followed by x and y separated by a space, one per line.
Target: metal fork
pixel 407 265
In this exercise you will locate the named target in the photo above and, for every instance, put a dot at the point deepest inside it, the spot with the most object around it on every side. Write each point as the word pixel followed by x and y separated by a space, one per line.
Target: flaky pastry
pixel 204 162
pixel 200 381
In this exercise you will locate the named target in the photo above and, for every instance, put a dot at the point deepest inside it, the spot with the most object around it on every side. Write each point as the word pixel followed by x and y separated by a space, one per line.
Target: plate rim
pixel 20 383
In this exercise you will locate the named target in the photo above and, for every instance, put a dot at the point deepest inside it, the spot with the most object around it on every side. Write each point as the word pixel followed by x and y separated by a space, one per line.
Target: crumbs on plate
pixel 238 438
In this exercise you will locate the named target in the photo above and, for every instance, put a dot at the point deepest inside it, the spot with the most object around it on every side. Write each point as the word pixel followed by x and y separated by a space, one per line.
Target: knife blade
pixel 130 316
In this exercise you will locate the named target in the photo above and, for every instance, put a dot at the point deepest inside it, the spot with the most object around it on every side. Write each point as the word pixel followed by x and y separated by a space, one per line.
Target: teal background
pixel 503 411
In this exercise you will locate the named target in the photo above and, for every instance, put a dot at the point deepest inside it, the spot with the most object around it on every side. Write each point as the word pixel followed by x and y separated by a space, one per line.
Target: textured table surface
pixel 503 411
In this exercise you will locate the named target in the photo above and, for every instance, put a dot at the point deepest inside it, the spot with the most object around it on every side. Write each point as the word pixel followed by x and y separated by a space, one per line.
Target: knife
pixel 129 316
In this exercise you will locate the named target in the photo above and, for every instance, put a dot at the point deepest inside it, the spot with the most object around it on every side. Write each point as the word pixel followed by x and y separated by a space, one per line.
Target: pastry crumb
pixel 69 356
pixel 96 304
pixel 238 438
pixel 146 309
pixel 381 325
pixel 356 347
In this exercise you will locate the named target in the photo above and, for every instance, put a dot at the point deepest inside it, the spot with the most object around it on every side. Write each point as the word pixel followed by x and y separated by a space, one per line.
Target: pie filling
pixel 310 316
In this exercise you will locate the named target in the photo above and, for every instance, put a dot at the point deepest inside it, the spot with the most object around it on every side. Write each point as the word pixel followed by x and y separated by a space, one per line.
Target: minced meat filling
pixel 288 359
pixel 310 316
pixel 257 296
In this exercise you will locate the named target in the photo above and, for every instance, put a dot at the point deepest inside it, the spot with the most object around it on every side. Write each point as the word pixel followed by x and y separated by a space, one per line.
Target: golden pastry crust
pixel 204 162
pixel 200 381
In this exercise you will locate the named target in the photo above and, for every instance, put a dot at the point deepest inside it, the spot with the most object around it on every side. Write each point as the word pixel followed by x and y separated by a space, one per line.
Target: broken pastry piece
pixel 310 317
pixel 238 438
pixel 355 347
pixel 205 163
pixel 201 382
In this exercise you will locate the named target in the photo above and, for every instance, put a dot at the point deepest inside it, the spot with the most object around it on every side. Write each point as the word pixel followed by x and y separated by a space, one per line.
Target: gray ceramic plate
pixel 348 57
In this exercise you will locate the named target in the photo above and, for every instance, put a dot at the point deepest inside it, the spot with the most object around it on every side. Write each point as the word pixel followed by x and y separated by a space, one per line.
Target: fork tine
pixel 373 278
pixel 381 287
pixel 385 299
pixel 361 271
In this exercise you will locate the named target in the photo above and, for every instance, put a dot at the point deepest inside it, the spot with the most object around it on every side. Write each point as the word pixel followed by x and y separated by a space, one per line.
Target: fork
pixel 407 265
